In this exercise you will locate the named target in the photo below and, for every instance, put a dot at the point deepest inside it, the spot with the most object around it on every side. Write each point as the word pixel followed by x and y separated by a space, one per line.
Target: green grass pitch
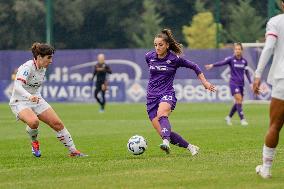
pixel 227 158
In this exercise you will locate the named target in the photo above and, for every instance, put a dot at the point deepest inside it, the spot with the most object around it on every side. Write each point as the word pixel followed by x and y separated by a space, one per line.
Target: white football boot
pixel 262 172
pixel 228 120
pixel 244 122
pixel 165 146
pixel 193 149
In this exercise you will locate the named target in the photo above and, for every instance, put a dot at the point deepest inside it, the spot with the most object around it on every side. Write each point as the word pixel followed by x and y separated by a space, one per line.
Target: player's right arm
pixel 21 79
pixel 270 41
pixel 94 73
pixel 217 64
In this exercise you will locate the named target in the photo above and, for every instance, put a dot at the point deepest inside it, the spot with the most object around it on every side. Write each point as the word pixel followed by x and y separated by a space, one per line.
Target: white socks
pixel 32 133
pixel 267 157
pixel 166 142
pixel 65 138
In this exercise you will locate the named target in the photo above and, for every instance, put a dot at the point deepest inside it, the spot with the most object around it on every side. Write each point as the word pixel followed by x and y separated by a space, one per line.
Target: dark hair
pixel 239 43
pixel 42 49
pixel 282 1
pixel 167 35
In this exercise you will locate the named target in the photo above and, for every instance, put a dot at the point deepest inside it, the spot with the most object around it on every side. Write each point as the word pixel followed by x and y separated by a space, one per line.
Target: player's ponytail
pixel 167 35
pixel 42 49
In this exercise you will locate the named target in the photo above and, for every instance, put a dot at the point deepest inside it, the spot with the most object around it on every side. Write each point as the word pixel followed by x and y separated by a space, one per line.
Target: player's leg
pixel 96 95
pixel 32 122
pixel 156 125
pixel 234 89
pixel 239 100
pixel 103 100
pixel 272 137
pixel 50 117
pixel 177 140
pixel 232 112
pixel 165 126
pixel 174 138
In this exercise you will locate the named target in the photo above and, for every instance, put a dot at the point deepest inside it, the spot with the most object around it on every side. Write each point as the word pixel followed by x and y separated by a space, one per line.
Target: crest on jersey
pixel 168 61
pixel 26 73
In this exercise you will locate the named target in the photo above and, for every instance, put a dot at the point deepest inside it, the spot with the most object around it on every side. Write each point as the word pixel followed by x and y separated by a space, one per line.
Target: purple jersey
pixel 162 72
pixel 238 67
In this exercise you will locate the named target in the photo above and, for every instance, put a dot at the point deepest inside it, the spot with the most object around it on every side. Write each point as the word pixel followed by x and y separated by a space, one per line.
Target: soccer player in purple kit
pixel 239 67
pixel 161 100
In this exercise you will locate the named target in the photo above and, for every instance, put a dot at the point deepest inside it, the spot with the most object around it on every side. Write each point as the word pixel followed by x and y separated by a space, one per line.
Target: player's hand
pixel 209 66
pixel 104 87
pixel 34 99
pixel 209 86
pixel 256 84
pixel 100 69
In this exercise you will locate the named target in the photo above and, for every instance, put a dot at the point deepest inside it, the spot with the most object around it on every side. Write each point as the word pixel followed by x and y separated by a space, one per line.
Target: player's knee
pixel 239 100
pixel 57 125
pixel 162 114
pixel 33 123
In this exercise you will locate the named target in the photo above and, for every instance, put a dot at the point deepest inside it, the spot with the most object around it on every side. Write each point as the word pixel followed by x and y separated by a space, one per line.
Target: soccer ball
pixel 137 145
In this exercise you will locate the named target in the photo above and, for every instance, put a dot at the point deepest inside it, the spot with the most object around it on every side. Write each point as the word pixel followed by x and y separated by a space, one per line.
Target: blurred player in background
pixel 161 100
pixel 274 44
pixel 239 67
pixel 101 70
pixel 29 106
pixel 11 86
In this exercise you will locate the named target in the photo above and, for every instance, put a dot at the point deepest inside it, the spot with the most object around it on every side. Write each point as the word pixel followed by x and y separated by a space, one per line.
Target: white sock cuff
pixel 166 141
pixel 268 152
pixel 30 130
pixel 62 132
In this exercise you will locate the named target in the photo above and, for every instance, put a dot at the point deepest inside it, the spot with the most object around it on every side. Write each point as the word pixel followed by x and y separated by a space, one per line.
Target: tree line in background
pixel 81 24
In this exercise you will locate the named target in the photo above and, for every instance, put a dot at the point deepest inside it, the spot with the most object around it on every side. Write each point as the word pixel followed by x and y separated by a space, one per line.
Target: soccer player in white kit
pixel 274 44
pixel 28 105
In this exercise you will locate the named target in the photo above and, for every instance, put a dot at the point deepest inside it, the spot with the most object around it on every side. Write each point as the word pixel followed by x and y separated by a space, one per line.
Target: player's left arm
pixel 94 73
pixel 189 64
pixel 198 72
pixel 108 69
pixel 247 73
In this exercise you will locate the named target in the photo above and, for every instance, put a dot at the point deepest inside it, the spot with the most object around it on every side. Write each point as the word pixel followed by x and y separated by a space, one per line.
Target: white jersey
pixel 274 31
pixel 29 77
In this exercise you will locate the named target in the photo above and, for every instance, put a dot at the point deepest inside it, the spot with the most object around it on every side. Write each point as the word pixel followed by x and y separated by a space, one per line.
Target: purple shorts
pixel 153 104
pixel 237 89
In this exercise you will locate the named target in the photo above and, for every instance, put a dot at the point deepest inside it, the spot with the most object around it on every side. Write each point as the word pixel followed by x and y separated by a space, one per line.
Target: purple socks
pixel 240 111
pixel 233 110
pixel 165 127
pixel 173 137
pixel 239 108
pixel 176 139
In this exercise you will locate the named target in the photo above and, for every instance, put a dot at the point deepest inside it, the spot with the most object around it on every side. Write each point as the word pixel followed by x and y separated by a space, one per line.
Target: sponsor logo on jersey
pixel 160 68
pixel 239 65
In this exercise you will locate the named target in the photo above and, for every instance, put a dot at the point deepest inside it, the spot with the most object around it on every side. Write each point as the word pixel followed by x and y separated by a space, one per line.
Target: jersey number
pixel 167 97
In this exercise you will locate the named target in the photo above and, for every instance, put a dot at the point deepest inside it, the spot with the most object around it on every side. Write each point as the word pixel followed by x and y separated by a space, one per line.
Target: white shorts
pixel 278 89
pixel 37 108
